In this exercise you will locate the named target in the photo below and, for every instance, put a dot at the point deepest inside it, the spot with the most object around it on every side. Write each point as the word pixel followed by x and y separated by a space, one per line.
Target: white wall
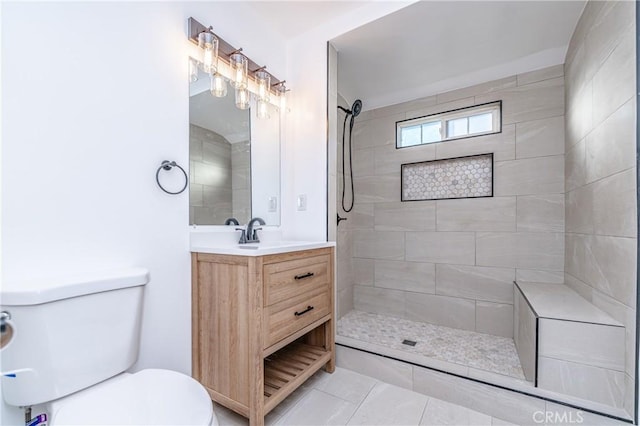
pixel 95 96
pixel 306 137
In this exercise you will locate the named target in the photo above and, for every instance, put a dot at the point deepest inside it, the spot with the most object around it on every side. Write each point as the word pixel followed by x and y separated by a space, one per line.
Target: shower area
pixel 523 286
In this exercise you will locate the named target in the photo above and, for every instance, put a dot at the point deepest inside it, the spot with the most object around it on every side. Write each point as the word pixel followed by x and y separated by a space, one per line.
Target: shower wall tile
pixel 362 163
pixel 502 145
pixel 378 244
pixel 379 300
pixel 575 166
pixel 533 101
pixel 399 109
pixel 440 107
pixel 406 276
pixel 374 133
pixel 595 384
pixel 388 159
pixel 540 213
pixel 540 138
pixel 344 301
pixel 414 216
pixel 579 210
pixel 534 276
pixel 363 271
pixel 500 403
pixel 478 89
pixel 384 369
pixel 615 204
pixel 608 31
pixel 605 263
pixel 494 318
pixel 614 83
pixel 541 74
pixel 625 315
pixel 524 335
pixel 479 214
pixel 377 189
pixel 441 310
pixel 579 117
pixel 441 247
pixel 526 250
pixel 600 247
pixel 573 342
pixel 496 249
pixel 361 217
pixel 524 177
pixel 611 147
pixel 475 282
pixel 540 250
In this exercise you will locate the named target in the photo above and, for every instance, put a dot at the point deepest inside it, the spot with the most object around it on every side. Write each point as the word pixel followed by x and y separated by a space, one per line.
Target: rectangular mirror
pixel 234 159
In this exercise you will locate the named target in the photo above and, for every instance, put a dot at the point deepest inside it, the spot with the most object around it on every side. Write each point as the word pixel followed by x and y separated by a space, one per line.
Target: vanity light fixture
pixel 224 62
pixel 218 85
pixel 263 79
pixel 242 98
pixel 282 90
pixel 239 69
pixel 209 45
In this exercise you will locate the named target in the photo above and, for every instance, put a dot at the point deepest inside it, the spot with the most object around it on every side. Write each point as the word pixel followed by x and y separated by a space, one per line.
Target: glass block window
pixel 461 123
pixel 463 177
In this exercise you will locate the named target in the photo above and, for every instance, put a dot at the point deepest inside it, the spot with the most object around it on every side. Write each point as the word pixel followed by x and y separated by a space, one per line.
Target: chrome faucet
pixel 252 233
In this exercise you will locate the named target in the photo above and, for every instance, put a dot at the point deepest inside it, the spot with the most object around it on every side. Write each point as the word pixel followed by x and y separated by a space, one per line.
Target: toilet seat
pixel 148 397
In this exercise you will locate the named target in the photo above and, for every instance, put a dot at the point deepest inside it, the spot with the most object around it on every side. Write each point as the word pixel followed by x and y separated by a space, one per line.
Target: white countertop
pixel 558 301
pixel 260 249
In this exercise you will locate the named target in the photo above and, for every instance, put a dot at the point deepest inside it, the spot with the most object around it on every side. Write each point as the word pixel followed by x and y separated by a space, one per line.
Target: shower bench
pixel 568 345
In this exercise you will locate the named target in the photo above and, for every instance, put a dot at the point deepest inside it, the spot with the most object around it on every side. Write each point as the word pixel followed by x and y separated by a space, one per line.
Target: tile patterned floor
pixel 349 398
pixel 482 351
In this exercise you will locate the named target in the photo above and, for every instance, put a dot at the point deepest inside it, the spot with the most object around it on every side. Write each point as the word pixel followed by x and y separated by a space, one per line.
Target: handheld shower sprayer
pixel 355 110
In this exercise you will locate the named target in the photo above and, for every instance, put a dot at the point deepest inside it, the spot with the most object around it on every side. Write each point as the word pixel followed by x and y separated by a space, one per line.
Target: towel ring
pixel 168 165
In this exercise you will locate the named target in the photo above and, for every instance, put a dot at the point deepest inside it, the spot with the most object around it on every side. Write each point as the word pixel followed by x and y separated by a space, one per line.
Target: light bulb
pixel 263 109
pixel 193 70
pixel 263 79
pixel 239 65
pixel 242 98
pixel 282 95
pixel 209 44
pixel 218 86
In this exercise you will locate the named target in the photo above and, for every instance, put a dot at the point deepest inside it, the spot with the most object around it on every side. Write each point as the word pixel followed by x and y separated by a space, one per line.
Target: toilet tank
pixel 69 334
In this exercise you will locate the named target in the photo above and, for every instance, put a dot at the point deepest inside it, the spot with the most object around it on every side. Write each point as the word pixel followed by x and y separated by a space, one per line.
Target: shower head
pixel 356 108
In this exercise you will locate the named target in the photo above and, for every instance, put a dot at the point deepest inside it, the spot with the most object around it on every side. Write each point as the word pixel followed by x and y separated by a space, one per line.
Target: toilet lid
pixel 148 397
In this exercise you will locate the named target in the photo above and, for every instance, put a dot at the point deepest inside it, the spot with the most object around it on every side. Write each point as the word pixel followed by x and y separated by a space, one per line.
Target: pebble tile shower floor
pixel 483 351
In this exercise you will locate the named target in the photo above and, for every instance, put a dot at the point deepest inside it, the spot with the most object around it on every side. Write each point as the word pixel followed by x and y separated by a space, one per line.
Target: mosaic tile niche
pixel 462 177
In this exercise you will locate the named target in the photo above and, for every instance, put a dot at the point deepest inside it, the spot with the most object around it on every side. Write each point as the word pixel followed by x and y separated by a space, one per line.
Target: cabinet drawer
pixel 290 278
pixel 287 317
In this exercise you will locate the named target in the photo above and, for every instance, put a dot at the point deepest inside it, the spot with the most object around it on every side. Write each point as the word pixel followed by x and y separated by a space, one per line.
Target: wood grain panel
pixel 290 278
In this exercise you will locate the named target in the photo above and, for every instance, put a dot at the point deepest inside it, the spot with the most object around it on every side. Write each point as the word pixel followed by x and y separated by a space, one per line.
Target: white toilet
pixel 72 341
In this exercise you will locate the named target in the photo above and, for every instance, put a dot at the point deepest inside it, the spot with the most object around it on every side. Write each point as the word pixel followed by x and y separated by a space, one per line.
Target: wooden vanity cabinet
pixel 261 326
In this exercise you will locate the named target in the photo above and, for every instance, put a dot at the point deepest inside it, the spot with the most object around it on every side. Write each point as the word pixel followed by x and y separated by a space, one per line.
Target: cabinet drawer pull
pixel 309 308
pixel 307 275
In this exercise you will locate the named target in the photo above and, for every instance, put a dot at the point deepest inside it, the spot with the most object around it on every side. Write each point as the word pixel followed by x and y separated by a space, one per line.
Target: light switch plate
pixel 301 202
pixel 273 205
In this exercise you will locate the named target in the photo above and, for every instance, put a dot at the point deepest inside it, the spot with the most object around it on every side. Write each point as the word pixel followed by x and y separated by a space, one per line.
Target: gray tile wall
pixel 600 175
pixel 210 187
pixel 453 262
